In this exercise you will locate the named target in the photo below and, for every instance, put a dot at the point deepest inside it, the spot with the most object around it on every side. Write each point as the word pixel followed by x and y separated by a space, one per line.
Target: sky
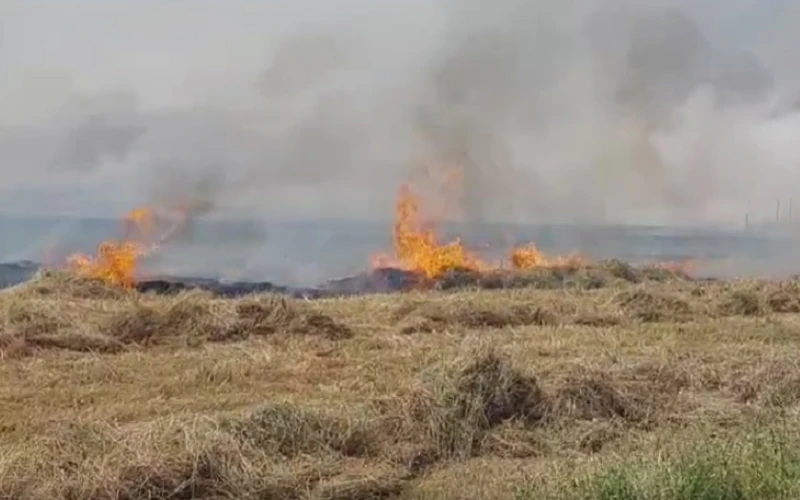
pixel 660 111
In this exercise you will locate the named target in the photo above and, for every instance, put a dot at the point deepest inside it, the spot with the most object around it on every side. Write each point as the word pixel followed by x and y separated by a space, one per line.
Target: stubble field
pixel 608 383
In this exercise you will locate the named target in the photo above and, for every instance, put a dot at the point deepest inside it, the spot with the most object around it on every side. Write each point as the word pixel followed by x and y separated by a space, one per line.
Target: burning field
pixel 533 377
pixel 419 260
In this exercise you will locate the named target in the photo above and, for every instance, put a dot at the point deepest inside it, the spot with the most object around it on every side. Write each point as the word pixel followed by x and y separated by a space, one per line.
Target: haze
pixel 660 112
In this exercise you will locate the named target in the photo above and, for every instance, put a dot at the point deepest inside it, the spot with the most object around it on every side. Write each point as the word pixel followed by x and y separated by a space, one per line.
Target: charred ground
pixel 604 381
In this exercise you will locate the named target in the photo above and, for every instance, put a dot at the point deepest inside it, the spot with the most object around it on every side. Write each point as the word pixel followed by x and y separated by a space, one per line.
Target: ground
pixel 607 386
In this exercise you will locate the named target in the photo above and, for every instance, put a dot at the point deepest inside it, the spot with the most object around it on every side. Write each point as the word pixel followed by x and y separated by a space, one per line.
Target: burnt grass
pixel 192 396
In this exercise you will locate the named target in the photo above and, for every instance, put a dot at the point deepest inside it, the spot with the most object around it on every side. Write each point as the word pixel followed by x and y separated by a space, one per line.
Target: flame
pixel 417 247
pixel 139 220
pixel 529 257
pixel 116 261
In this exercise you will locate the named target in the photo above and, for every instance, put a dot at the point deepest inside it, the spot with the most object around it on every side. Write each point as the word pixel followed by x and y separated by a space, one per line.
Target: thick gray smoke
pixel 585 110
pixel 666 111
pixel 613 114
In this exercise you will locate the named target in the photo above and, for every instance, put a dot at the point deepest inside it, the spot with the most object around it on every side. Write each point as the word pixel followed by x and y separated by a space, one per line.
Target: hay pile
pixel 437 316
pixel 590 276
pixel 59 311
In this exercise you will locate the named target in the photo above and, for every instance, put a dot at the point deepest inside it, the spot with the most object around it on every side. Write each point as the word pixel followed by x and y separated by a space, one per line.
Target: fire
pixel 416 244
pixel 417 247
pixel 139 220
pixel 116 261
pixel 529 257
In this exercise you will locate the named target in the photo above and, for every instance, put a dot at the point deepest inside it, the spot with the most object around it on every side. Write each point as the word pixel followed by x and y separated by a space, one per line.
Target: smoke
pixel 584 110
pixel 609 113
pixel 664 112
pixel 94 129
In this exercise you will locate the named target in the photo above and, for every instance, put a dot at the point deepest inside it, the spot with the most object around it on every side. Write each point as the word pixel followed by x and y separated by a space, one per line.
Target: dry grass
pixel 86 316
pixel 469 394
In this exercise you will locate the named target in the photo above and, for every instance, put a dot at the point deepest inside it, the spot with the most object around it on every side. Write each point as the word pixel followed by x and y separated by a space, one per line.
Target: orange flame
pixel 529 257
pixel 417 248
pixel 116 262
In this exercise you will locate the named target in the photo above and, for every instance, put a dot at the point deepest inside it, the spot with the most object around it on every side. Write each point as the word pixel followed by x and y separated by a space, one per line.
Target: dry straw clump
pixel 272 313
pixel 384 414
pixel 292 431
pixel 82 317
pixel 650 306
pixel 476 404
pixel 602 274
pixel 60 311
pixel 179 460
pixel 189 317
pixel 473 398
pixel 433 316
pixel 57 285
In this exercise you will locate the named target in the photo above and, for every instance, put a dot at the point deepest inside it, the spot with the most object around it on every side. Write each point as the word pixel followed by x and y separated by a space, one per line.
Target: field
pixel 608 384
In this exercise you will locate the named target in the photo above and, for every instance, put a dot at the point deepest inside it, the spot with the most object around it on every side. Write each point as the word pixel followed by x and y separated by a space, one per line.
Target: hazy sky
pixel 624 111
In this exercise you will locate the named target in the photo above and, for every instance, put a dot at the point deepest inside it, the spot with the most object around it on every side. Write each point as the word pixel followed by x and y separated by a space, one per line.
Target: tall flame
pixel 417 247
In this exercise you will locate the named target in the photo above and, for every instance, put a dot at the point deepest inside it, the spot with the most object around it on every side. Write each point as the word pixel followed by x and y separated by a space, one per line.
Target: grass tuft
pixel 471 397
pixel 272 313
pixel 291 431
pixel 443 315
pixel 653 307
